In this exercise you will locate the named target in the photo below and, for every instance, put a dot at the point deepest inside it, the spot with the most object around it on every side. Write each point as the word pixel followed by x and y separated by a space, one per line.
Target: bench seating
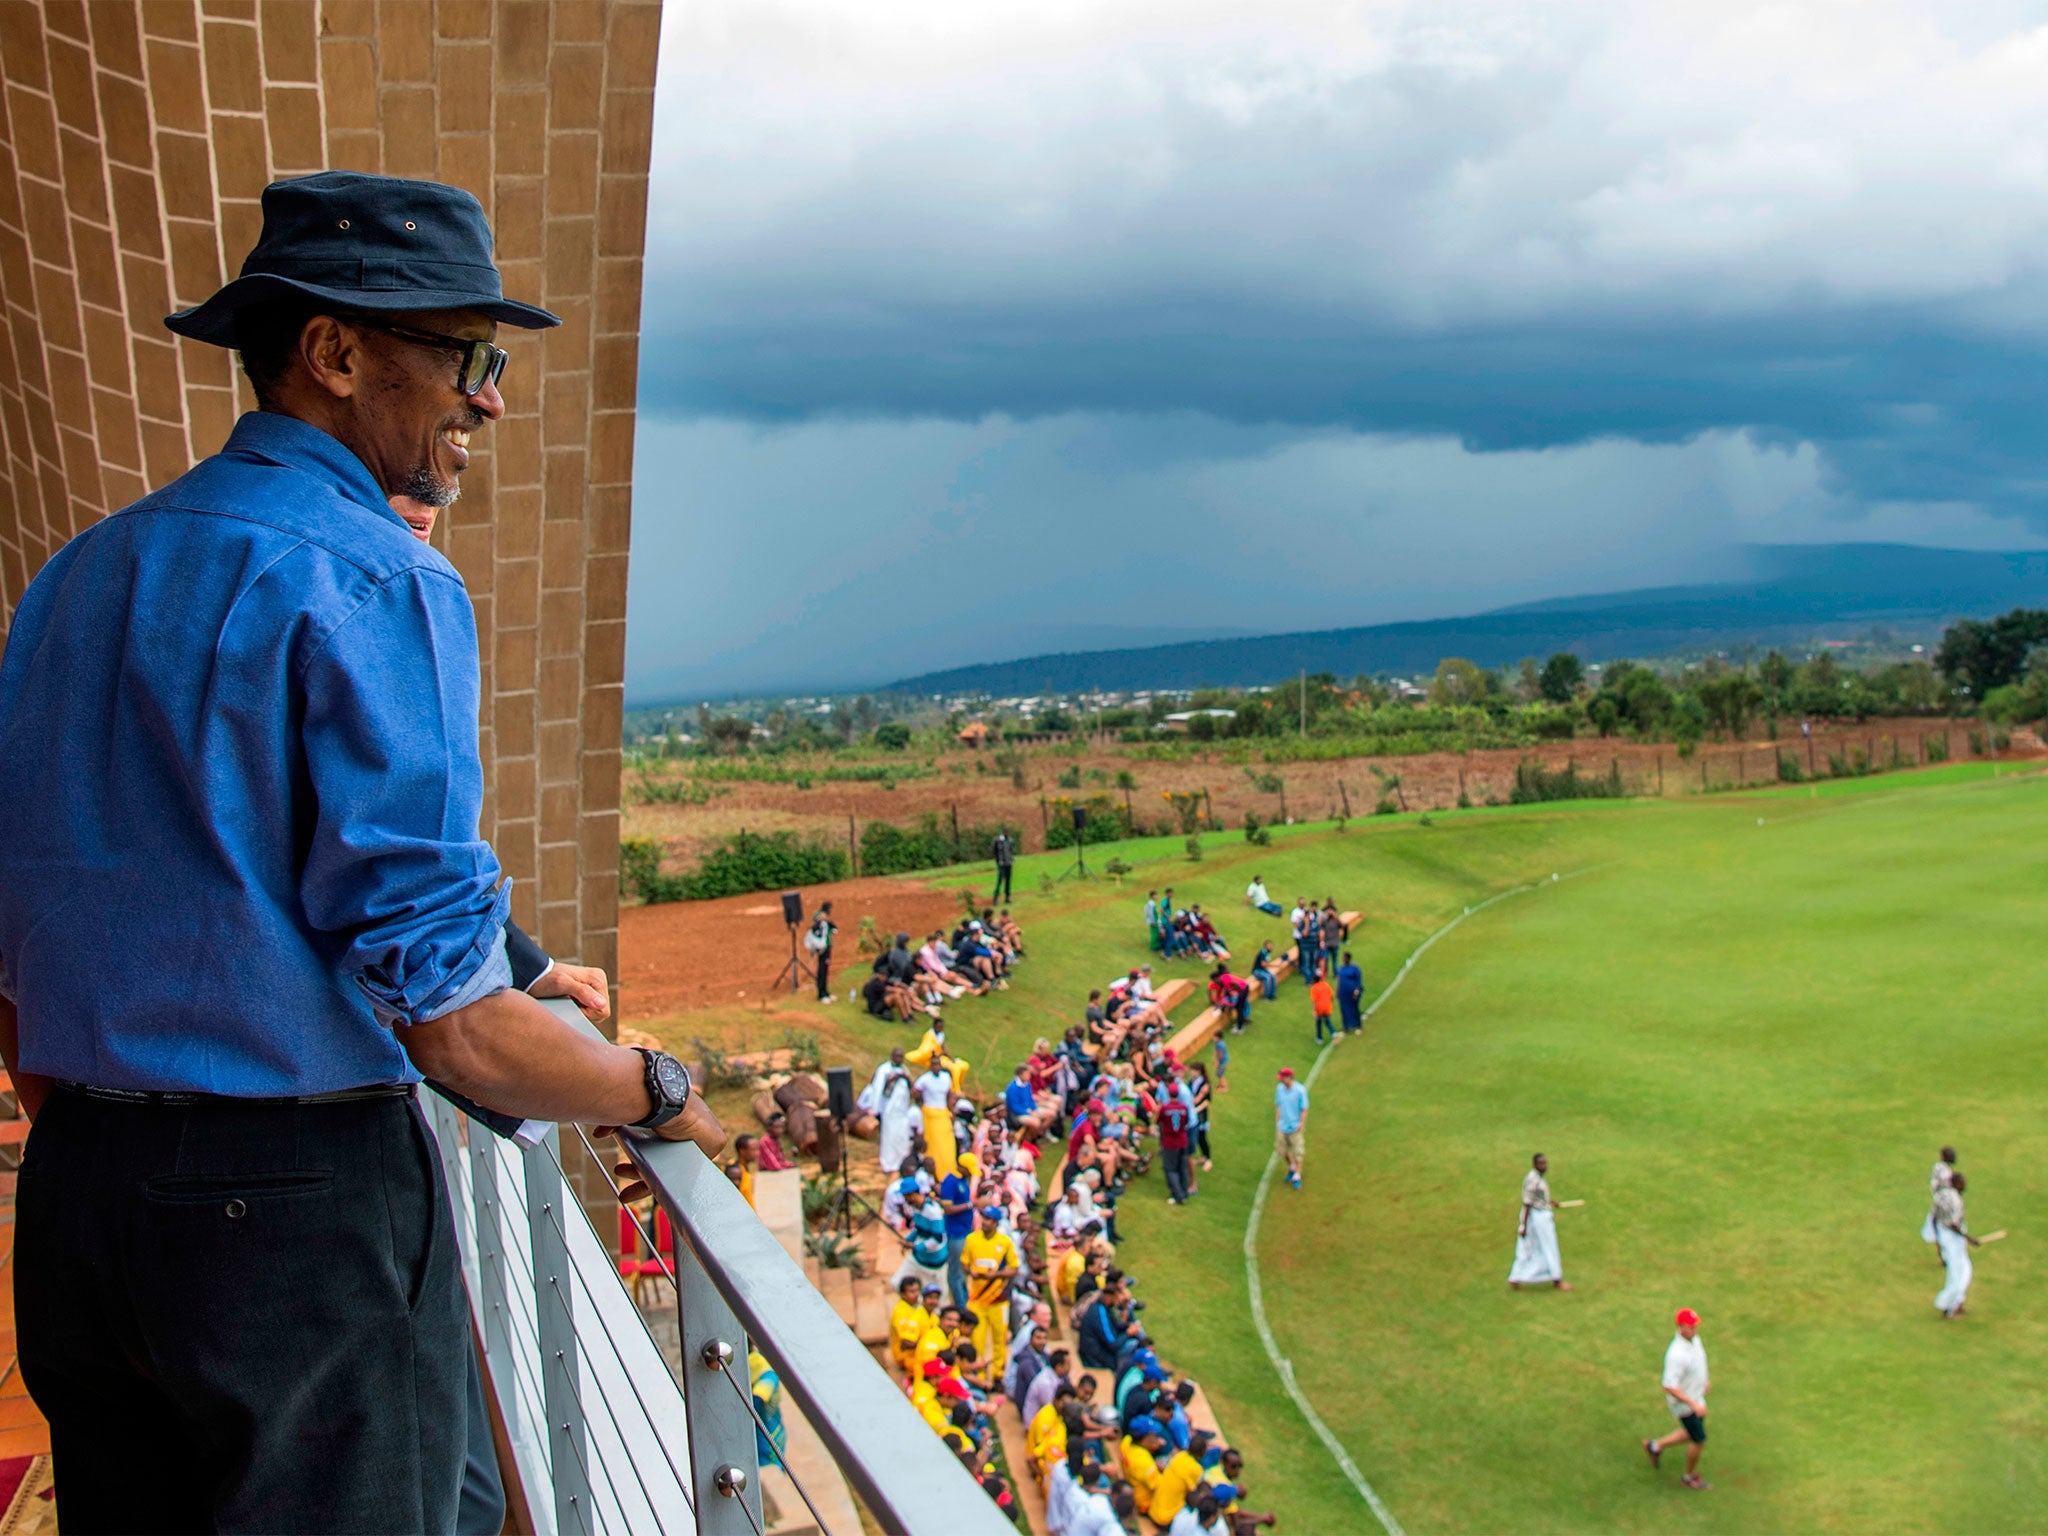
pixel 1199 1032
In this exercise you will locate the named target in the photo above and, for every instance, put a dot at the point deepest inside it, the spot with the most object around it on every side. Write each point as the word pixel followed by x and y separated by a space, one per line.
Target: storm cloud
pixel 1580 269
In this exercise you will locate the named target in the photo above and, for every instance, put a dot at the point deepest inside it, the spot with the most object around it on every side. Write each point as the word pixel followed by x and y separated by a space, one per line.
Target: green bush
pixel 893 736
pixel 1108 822
pixel 1194 848
pixel 639 867
pixel 887 849
pixel 1934 749
pixel 754 861
pixel 1789 771
pixel 1535 783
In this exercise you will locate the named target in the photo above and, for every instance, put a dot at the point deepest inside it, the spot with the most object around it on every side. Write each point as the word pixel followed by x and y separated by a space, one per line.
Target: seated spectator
pixel 973 945
pixel 1232 996
pixel 1012 935
pixel 1029 1114
pixel 908 1321
pixel 1226 1478
pixel 1140 1451
pixel 1179 1478
pixel 1046 1383
pixel 1262 971
pixel 746 1159
pixel 1202 1517
pixel 773 1158
pixel 1045 1433
pixel 936 963
pixel 1256 898
pixel 1026 1361
pixel 1173 1413
pixel 997 1489
pixel 895 1216
pixel 1208 942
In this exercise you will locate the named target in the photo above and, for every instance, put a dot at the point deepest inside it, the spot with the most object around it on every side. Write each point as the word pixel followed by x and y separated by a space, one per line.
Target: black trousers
pixel 824 969
pixel 1002 893
pixel 243 1317
pixel 1175 1163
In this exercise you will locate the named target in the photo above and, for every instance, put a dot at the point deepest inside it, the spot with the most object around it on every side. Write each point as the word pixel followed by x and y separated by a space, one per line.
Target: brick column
pixel 135 143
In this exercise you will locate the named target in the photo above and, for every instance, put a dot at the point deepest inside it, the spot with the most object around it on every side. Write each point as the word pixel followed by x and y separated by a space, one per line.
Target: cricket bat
pixel 1992 1237
pixel 1567 1204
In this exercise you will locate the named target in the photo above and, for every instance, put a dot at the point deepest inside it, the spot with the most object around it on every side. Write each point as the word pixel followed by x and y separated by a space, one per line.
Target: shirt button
pixel 236 1210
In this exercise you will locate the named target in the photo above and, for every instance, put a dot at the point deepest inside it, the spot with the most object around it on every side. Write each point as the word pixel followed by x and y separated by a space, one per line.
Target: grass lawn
pixel 1740 1043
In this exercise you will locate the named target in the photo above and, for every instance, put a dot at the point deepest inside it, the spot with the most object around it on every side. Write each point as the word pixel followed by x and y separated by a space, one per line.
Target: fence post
pixel 1660 773
pixel 490 1255
pixel 725 1471
pixel 852 847
pixel 555 1323
pixel 955 809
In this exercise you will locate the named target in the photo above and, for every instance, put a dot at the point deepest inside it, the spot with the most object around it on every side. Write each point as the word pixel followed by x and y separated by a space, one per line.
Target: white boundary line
pixel 1282 1367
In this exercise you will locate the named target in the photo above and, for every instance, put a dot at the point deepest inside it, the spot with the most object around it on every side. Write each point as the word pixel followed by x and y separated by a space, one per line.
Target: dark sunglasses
pixel 482 361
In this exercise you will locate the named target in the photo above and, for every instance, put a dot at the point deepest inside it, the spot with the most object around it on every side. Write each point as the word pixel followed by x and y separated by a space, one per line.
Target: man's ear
pixel 332 354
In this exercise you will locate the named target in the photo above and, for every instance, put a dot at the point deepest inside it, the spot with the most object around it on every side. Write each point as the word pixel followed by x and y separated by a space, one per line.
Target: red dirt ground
pixel 700 954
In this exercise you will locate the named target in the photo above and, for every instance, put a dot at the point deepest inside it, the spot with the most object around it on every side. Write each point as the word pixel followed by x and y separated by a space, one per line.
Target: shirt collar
pixel 295 444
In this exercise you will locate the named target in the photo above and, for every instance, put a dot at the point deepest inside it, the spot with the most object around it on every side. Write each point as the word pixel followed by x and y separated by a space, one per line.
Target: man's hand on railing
pixel 696 1123
pixel 583 985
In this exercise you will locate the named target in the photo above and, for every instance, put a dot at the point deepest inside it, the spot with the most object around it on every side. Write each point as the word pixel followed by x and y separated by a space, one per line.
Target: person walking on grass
pixel 1290 1121
pixel 1685 1394
pixel 1324 1001
pixel 1952 1233
pixel 1351 995
pixel 1536 1257
pixel 1176 1130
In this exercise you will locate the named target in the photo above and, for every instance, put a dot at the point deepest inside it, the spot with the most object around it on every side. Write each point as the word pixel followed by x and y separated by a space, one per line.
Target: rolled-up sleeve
pixel 395 864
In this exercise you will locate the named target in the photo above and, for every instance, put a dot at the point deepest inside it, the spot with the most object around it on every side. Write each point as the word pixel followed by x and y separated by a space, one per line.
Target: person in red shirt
pixel 1323 998
pixel 1231 995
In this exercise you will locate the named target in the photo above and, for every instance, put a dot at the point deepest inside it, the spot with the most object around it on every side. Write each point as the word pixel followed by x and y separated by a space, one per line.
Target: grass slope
pixel 1741 1043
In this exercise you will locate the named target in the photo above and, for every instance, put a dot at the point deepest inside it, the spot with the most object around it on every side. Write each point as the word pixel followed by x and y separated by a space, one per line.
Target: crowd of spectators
pixel 1008 1212
pixel 975 959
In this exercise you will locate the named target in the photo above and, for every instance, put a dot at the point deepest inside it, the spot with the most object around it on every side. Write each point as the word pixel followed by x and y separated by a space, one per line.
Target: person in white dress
pixel 1537 1261
pixel 1952 1233
pixel 1937 1181
pixel 891 1087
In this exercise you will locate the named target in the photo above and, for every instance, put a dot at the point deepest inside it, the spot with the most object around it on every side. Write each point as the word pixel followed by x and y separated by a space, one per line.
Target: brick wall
pixel 136 141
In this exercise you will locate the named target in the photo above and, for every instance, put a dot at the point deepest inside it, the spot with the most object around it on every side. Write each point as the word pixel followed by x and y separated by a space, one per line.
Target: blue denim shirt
pixel 239 785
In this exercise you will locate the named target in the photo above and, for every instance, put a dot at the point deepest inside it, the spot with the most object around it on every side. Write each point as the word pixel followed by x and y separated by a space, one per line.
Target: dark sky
pixel 978 330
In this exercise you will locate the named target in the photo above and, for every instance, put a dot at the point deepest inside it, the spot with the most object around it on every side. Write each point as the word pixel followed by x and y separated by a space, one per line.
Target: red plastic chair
pixel 634 1269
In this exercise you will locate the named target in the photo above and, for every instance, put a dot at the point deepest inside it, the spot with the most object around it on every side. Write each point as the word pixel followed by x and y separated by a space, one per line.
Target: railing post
pixel 724 1469
pixel 555 1322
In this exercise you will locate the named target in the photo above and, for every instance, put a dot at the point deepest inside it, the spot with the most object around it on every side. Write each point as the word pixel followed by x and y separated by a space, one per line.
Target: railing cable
pixel 746 1395
pixel 682 1482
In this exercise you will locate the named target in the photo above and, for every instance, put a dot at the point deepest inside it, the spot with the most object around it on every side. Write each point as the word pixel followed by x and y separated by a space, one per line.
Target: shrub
pixel 1194 848
pixel 893 736
pixel 640 867
pixel 1934 749
pixel 1187 806
pixel 1789 771
pixel 1535 783
pixel 1108 822
pixel 806 1051
pixel 868 942
pixel 754 861
pixel 719 1070
pixel 1069 777
pixel 887 849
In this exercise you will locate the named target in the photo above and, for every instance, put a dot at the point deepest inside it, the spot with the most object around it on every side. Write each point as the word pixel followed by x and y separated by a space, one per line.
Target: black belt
pixel 179 1100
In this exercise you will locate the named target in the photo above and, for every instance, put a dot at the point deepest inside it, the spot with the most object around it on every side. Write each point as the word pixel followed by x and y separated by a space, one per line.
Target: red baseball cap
pixel 1687 1318
pixel 1287 1071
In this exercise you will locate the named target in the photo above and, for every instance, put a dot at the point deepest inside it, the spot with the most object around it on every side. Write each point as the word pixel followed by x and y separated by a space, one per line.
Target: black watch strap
pixel 668 1086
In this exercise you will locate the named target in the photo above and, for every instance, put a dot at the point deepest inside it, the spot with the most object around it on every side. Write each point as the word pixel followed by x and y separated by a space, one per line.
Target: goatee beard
pixel 427 488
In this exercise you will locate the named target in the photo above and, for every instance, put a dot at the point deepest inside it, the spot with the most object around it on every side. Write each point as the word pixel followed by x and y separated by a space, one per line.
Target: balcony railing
pixel 603 1435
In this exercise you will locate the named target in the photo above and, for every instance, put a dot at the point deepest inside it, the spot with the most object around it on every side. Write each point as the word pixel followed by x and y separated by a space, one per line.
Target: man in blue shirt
pixel 956 1194
pixel 1290 1118
pixel 244 908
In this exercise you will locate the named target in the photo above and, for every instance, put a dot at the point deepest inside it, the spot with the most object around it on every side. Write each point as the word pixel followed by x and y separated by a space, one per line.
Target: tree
pixel 1561 677
pixel 1977 657
pixel 1730 700
pixel 1458 683
pixel 892 736
pixel 1529 681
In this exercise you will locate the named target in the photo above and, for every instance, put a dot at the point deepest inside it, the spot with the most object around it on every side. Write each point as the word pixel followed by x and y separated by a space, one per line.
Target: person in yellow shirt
pixel 947 1328
pixel 924 1396
pixel 988 1258
pixel 908 1322
pixel 1178 1480
pixel 931 1052
pixel 1140 1452
pixel 1046 1435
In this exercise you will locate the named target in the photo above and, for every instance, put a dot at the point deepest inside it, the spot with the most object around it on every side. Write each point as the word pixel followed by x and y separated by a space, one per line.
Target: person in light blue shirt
pixel 245 908
pixel 1290 1120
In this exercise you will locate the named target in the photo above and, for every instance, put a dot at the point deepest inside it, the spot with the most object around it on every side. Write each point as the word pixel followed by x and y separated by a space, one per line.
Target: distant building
pixel 1178 723
pixel 974 733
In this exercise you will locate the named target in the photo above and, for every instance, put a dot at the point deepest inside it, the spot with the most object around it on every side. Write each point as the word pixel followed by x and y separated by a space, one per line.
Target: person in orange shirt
pixel 1323 998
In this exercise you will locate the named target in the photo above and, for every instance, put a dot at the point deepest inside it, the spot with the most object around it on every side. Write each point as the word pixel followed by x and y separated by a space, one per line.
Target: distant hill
pixel 1793 594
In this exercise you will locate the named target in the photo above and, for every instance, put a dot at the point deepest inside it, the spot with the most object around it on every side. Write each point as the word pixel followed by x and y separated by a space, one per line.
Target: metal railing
pixel 604 1437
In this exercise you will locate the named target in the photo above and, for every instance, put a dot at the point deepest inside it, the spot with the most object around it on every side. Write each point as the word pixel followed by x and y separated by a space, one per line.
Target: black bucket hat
pixel 365 243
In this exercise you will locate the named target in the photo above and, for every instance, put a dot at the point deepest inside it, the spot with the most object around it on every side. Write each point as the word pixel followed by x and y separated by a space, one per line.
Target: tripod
pixel 846 1197
pixel 1080 864
pixel 795 969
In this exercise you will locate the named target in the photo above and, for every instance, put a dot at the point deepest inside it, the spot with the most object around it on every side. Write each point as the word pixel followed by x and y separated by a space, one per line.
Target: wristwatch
pixel 668 1085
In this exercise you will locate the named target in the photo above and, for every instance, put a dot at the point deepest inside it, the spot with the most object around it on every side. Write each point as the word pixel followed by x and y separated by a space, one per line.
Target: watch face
pixel 674 1079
